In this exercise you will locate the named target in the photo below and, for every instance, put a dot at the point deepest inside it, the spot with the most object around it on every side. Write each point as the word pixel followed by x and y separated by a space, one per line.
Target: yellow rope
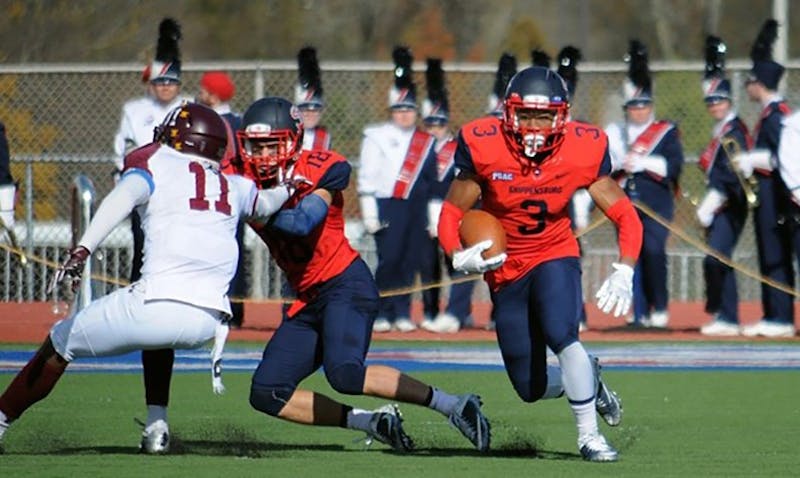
pixel 448 282
pixel 702 247
pixel 55 265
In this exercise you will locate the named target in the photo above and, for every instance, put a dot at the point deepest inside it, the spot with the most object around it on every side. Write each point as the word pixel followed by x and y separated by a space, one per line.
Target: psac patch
pixel 502 176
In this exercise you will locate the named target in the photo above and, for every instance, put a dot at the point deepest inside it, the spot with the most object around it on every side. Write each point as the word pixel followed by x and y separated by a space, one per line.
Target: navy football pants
pixel 539 310
pixel 332 331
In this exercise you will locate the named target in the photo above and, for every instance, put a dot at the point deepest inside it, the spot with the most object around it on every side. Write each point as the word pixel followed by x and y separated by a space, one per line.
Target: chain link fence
pixel 61 121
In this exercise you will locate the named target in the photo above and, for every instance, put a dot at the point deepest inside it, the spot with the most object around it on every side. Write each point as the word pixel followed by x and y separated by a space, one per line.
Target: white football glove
pixel 616 290
pixel 470 259
pixel 220 336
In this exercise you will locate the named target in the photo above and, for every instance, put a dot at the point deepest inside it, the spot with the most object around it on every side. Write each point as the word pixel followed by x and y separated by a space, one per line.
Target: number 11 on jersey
pixel 199 201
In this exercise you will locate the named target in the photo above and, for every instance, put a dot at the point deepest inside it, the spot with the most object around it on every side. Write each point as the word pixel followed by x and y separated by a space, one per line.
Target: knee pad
pixel 270 400
pixel 347 378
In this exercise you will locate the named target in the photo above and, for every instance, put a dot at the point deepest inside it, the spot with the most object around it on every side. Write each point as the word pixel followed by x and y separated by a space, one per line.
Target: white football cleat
pixel 386 426
pixel 596 448
pixel 471 422
pixel 155 438
pixel 607 403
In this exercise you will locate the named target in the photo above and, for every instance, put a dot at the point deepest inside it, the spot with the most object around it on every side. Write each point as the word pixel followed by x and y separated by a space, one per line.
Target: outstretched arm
pixel 308 214
pixel 132 190
pixel 616 293
pixel 611 199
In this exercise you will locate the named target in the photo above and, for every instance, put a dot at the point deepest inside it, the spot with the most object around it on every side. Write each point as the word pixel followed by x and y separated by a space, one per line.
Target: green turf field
pixel 700 423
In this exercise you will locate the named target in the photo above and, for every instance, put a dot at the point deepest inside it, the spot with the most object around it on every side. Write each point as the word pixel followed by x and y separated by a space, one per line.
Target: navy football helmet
pixel 535 89
pixel 270 137
pixel 196 129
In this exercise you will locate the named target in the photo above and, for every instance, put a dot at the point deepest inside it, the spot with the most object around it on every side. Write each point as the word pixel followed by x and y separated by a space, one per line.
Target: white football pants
pixel 123 322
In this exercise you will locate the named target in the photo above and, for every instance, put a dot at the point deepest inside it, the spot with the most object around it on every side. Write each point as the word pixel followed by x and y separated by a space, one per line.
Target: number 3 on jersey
pixel 537 210
pixel 199 201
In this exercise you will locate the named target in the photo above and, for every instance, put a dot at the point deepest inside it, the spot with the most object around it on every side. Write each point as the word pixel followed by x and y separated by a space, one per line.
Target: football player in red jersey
pixel 329 324
pixel 526 167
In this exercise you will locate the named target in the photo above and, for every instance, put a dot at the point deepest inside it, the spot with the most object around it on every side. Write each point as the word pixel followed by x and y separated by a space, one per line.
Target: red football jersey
pixel 325 252
pixel 531 199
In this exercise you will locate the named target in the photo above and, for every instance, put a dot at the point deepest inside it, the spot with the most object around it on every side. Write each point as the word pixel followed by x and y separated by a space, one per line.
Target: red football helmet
pixel 270 138
pixel 535 89
pixel 196 129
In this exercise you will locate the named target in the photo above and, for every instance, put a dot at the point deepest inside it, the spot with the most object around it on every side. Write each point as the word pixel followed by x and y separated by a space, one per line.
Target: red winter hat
pixel 218 83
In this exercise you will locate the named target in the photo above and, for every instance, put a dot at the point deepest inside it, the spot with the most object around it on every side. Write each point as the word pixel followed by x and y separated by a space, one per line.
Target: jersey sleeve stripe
pixel 144 174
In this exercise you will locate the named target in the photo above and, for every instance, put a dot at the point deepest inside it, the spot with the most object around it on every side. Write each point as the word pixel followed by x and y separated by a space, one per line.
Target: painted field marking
pixel 614 357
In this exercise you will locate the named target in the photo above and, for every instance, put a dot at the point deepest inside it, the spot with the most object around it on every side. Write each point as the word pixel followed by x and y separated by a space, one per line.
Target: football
pixel 478 225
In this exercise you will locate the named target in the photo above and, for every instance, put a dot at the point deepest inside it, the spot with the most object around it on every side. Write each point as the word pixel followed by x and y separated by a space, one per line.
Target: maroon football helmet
pixel 195 129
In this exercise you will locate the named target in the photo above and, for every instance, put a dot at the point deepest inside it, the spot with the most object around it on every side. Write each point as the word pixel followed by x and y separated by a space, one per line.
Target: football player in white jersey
pixel 189 212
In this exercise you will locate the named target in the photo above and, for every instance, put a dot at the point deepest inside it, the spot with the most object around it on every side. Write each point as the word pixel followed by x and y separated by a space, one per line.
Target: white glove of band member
pixel 616 290
pixel 796 196
pixel 7 197
pixel 434 210
pixel 744 163
pixel 369 214
pixel 633 163
pixel 470 259
pixel 581 207
pixel 708 207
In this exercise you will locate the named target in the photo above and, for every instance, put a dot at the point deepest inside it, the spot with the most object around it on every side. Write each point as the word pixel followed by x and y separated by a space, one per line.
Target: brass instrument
pixel 749 185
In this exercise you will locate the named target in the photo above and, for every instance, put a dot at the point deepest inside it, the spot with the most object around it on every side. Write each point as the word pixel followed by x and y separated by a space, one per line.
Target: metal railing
pixel 83 199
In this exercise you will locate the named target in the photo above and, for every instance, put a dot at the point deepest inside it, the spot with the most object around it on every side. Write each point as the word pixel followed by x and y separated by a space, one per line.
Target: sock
pixel 443 402
pixel 577 373
pixel 33 383
pixel 585 419
pixel 358 419
pixel 155 413
pixel 555 386
pixel 157 365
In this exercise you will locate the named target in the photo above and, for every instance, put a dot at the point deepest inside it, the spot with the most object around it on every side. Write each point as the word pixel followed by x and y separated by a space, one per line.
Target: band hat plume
pixel 435 108
pixel 403 93
pixel 638 87
pixel 506 68
pixel 715 86
pixel 765 70
pixel 568 59
pixel 166 67
pixel 308 93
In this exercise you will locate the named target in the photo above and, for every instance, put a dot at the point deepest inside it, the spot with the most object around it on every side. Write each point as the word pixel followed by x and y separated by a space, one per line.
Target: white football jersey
pixel 189 223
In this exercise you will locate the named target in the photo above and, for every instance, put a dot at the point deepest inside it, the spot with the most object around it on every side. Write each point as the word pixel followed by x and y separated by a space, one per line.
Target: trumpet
pixel 749 185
